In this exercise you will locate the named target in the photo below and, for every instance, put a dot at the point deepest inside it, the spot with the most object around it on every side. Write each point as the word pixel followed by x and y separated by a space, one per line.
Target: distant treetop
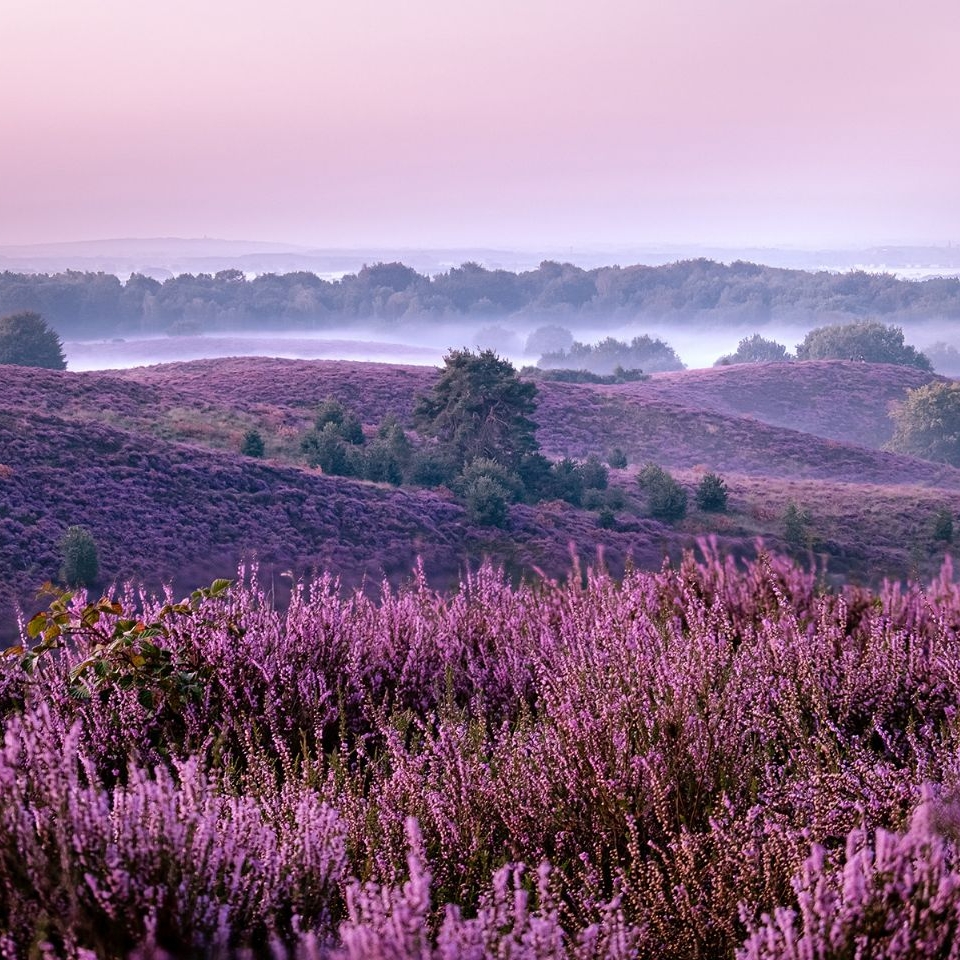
pixel 553 296
pixel 479 407
pixel 868 341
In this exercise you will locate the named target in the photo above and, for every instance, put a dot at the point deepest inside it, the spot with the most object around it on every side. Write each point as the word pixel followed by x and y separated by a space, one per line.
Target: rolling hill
pixel 146 459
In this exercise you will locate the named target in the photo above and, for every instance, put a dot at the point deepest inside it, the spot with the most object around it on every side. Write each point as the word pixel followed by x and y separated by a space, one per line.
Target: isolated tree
pixel 479 407
pixel 755 349
pixel 796 525
pixel 81 560
pixel 666 498
pixel 865 340
pixel 252 444
pixel 617 459
pixel 927 423
pixel 27 341
pixel 712 494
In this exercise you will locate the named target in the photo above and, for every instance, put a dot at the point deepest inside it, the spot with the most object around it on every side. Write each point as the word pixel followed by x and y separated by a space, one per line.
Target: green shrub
pixel 328 450
pixel 712 494
pixel 380 464
pixel 81 559
pixel 617 459
pixel 252 444
pixel 485 467
pixel 27 341
pixel 486 502
pixel 943 525
pixel 566 481
pixel 796 524
pixel 666 498
pixel 431 467
pixel 606 519
pixel 347 424
pixel 593 474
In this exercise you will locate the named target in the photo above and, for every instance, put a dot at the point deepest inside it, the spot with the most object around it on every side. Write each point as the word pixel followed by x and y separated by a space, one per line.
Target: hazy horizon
pixel 441 125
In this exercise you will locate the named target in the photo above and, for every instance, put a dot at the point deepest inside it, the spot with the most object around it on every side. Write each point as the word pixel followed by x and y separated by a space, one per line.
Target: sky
pixel 517 123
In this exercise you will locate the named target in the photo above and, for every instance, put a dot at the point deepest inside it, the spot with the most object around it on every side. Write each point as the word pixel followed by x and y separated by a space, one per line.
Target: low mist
pixel 697 345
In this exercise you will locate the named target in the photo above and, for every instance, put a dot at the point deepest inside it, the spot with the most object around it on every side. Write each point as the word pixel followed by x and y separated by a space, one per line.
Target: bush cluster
pixel 476 437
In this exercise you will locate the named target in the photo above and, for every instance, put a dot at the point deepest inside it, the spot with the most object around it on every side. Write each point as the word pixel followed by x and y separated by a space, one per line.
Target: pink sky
pixel 448 122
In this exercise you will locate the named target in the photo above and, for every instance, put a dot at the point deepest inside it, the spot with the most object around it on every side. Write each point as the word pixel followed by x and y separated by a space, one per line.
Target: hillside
pixel 146 459
pixel 836 400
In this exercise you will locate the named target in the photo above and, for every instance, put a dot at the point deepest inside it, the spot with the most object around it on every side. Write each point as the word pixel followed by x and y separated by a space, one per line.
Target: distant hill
pixel 146 459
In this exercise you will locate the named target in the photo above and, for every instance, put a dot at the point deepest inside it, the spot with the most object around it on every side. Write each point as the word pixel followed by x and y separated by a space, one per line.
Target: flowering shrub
pixel 893 896
pixel 669 765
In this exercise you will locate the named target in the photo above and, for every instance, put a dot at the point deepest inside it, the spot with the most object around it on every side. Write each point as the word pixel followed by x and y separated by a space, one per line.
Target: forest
pixel 83 305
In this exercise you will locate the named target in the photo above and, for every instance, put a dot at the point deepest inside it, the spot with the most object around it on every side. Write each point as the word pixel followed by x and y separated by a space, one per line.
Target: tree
pixel 755 349
pixel 479 407
pixel 328 450
pixel 27 341
pixel 712 494
pixel 548 339
pixel 666 499
pixel 252 444
pixel 943 525
pixel 796 525
pixel 81 560
pixel 617 459
pixel 641 353
pixel 868 341
pixel 927 423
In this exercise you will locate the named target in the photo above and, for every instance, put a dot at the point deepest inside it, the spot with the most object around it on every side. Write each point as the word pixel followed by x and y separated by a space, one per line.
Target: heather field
pixel 711 760
pixel 147 459
pixel 400 734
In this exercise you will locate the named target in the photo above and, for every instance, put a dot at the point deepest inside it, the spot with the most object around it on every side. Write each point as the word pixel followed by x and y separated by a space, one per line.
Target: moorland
pixel 148 461
pixel 391 727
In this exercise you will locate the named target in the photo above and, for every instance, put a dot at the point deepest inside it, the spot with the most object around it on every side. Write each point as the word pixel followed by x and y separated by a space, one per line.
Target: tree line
pixel 82 304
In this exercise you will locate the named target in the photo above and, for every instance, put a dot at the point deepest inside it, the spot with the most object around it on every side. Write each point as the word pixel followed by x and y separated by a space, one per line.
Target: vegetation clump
pixel 640 354
pixel 943 525
pixel 252 444
pixel 666 497
pixel 796 525
pixel 712 494
pixel 927 423
pixel 81 558
pixel 755 349
pixel 26 340
pixel 864 340
pixel 617 459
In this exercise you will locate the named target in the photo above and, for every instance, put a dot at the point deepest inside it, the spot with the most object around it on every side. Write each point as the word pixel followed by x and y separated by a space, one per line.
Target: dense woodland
pixel 99 304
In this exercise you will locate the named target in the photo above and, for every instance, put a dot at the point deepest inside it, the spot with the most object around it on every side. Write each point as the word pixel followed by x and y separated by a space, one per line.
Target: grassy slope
pixel 145 459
